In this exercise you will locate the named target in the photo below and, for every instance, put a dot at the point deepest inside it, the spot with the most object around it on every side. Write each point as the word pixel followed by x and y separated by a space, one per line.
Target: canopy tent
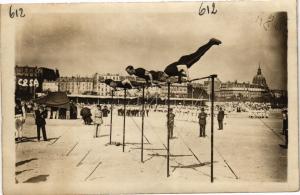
pixel 55 99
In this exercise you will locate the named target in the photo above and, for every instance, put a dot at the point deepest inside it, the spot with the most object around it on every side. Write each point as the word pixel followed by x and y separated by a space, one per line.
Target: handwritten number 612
pixel 16 12
pixel 207 10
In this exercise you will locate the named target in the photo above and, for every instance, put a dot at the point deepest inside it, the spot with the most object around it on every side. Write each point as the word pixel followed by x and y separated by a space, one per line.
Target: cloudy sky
pixel 107 41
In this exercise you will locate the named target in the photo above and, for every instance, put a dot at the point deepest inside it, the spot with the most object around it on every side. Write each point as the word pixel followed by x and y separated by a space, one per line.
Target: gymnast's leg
pixel 191 59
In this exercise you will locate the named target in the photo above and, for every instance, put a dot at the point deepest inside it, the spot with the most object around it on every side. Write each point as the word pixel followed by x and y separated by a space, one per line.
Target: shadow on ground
pixel 19 172
pixel 37 179
pixel 193 165
pixel 25 161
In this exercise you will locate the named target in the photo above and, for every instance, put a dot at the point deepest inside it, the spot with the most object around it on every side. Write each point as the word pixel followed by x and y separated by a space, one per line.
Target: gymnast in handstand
pixel 149 76
pixel 125 84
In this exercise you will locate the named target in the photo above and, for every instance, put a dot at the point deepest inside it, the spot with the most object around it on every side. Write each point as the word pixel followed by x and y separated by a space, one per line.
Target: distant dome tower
pixel 259 78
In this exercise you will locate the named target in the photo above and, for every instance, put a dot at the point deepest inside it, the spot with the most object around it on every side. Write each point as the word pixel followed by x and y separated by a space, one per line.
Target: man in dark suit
pixel 170 123
pixel 220 118
pixel 40 116
pixel 202 122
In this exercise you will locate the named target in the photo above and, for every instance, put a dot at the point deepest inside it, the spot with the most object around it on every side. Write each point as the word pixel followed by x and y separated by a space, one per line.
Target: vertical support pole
pixel 192 96
pixel 125 92
pixel 33 91
pixel 143 115
pixel 168 137
pixel 111 115
pixel 212 128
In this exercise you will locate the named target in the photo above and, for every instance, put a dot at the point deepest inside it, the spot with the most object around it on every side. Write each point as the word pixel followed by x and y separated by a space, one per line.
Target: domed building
pixel 259 79
pixel 256 91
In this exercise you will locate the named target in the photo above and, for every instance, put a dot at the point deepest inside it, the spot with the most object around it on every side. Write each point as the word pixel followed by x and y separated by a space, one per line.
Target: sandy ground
pixel 246 150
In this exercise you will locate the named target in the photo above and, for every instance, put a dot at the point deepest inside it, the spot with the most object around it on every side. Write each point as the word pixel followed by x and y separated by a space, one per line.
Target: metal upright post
pixel 212 128
pixel 33 91
pixel 124 122
pixel 168 137
pixel 192 96
pixel 143 115
pixel 111 115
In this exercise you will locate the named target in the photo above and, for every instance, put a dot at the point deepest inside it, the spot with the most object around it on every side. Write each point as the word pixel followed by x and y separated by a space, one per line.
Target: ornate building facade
pixel 75 85
pixel 259 79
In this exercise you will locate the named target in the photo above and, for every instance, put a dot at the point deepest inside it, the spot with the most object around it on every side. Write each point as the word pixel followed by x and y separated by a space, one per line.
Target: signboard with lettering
pixel 28 82
pixel 26 87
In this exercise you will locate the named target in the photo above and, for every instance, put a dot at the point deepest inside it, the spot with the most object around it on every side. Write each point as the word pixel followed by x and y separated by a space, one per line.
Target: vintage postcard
pixel 156 97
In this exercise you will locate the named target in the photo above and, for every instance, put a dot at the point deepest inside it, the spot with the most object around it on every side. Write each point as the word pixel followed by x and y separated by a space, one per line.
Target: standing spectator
pixel 40 116
pixel 105 113
pixel 73 110
pixel 29 107
pixel 98 120
pixel 284 122
pixel 48 109
pixel 147 111
pixel 54 113
pixel 86 114
pixel 68 114
pixel 24 109
pixel 19 120
pixel 202 122
pixel 285 128
pixel 220 118
pixel 170 122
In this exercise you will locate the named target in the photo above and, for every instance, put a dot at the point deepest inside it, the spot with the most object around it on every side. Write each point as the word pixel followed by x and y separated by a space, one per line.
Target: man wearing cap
pixel 170 122
pixel 202 122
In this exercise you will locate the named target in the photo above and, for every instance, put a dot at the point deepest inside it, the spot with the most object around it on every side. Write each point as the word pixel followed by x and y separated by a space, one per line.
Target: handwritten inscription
pixel 270 22
pixel 208 9
pixel 16 12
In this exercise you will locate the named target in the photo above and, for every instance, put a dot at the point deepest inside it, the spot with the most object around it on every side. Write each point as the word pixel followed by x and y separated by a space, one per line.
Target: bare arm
pixel 150 76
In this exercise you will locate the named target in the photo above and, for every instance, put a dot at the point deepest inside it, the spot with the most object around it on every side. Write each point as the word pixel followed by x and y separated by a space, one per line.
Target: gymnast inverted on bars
pixel 149 76
pixel 125 84
pixel 178 68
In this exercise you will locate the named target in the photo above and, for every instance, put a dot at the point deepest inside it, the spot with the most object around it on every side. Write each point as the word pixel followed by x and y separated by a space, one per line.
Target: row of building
pixel 49 80
pixel 95 85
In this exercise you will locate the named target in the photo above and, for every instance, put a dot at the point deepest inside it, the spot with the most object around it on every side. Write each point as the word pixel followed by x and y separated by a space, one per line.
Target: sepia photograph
pixel 166 97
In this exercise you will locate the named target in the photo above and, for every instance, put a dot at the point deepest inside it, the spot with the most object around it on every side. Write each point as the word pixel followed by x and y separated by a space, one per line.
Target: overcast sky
pixel 106 42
